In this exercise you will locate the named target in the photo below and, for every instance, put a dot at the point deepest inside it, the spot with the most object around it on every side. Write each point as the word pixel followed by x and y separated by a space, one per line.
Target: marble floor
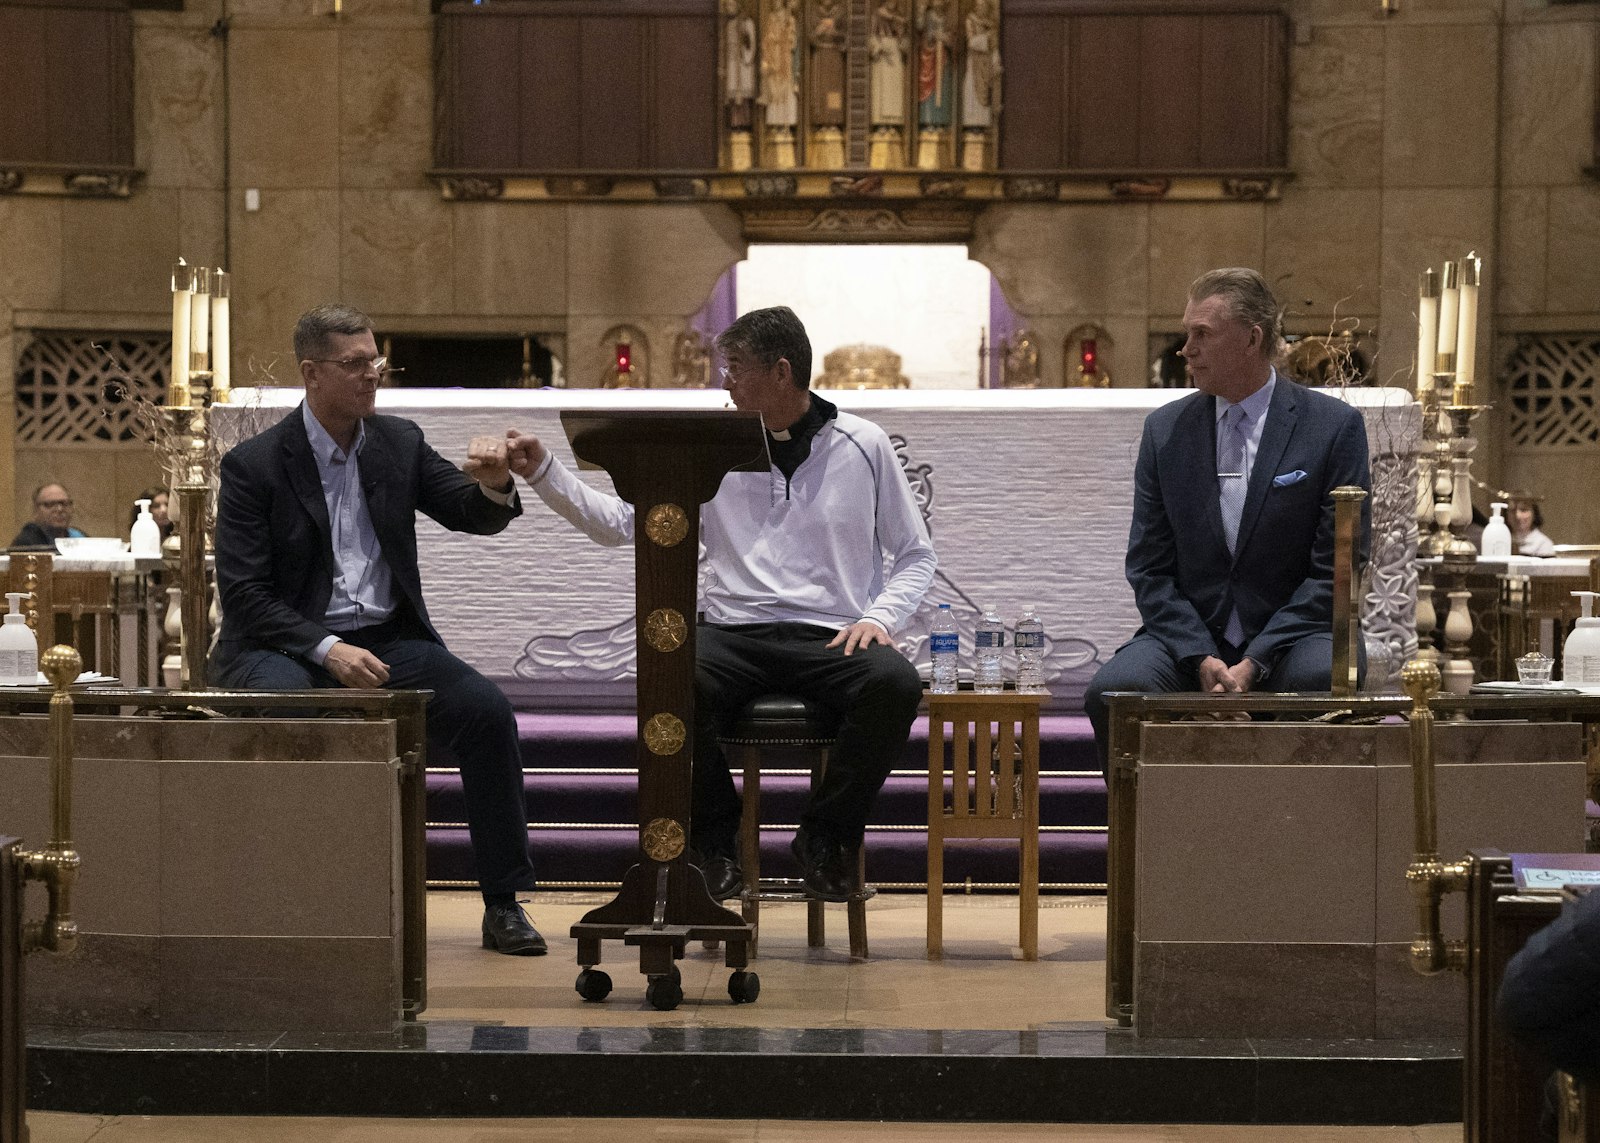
pixel 980 984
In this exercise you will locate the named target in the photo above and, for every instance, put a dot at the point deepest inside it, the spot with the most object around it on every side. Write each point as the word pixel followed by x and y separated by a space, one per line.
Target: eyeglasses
pixel 55 503
pixel 737 372
pixel 354 364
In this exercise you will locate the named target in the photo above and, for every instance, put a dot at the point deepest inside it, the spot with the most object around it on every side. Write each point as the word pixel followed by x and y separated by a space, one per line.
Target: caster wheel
pixel 677 977
pixel 664 993
pixel 744 987
pixel 593 984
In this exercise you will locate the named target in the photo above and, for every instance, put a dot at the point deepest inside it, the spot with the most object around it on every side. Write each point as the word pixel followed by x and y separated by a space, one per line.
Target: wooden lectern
pixel 666 464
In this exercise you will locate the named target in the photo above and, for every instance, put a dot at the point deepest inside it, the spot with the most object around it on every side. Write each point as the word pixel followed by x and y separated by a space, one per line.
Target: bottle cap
pixel 1588 598
pixel 143 506
pixel 16 598
pixel 1499 506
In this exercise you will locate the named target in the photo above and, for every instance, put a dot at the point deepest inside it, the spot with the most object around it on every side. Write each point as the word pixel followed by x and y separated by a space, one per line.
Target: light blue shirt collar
pixel 1255 405
pixel 323 446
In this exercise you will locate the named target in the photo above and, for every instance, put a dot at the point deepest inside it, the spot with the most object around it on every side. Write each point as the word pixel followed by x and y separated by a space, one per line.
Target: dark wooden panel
pixel 684 97
pixel 1169 92
pixel 24 86
pixel 483 117
pixel 82 104
pixel 1033 119
pixel 552 124
pixel 612 93
pixel 1105 79
pixel 1233 112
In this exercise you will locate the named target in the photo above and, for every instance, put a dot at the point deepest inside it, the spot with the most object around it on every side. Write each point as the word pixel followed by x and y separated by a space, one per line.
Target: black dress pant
pixel 874 692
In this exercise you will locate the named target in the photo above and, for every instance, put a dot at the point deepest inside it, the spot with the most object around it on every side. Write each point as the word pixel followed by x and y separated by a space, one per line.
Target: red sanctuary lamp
pixel 1088 361
pixel 624 362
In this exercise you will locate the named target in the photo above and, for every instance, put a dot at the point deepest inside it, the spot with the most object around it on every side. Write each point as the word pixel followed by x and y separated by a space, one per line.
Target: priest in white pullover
pixel 795 594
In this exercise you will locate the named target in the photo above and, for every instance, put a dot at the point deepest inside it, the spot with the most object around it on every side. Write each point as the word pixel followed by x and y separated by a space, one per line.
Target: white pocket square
pixel 1289 478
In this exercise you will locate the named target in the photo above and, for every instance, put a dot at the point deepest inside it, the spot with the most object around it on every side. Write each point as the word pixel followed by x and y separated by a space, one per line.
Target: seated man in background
pixel 317 569
pixel 1230 554
pixel 794 595
pixel 52 519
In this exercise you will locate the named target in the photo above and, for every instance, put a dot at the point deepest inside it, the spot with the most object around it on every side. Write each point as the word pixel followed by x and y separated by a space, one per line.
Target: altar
pixel 1027 494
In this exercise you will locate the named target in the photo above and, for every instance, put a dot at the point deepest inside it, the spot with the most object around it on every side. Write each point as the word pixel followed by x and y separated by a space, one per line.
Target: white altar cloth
pixel 1027 494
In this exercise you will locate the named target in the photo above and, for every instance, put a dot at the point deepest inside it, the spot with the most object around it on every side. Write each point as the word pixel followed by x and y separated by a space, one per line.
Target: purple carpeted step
pixel 601 741
pixel 612 798
pixel 598 857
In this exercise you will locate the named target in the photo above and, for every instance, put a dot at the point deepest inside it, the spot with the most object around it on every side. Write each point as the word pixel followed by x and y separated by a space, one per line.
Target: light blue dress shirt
pixel 363 590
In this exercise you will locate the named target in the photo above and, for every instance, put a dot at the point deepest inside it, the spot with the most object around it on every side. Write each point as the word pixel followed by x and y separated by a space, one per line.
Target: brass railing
pixel 1430 878
pixel 56 866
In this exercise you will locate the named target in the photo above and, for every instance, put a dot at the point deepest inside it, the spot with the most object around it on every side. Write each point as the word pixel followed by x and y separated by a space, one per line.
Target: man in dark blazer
pixel 1230 554
pixel 317 568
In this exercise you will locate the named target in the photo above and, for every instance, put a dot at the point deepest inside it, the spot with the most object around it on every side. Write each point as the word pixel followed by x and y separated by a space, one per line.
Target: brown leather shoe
pixel 506 929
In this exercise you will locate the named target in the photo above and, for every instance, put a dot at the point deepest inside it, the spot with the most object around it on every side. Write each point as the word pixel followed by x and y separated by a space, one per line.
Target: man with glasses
pixel 317 568
pixel 52 519
pixel 794 592
pixel 1230 554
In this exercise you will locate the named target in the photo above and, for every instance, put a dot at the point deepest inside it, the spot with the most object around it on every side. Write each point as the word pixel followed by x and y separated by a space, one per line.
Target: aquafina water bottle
pixel 988 676
pixel 944 644
pixel 1029 642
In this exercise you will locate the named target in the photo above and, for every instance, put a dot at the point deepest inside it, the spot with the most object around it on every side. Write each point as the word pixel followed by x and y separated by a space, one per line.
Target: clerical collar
pixel 780 434
pixel 790 448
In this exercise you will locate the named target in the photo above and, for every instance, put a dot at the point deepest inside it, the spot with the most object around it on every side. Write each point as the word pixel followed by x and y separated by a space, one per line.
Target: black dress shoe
pixel 828 867
pixel 506 929
pixel 723 877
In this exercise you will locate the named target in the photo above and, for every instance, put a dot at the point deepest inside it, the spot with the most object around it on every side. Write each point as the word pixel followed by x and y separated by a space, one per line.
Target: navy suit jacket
pixel 1281 579
pixel 275 546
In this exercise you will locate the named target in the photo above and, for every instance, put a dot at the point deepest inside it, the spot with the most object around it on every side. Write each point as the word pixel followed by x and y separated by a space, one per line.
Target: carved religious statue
pixel 980 89
pixel 738 80
pixel 691 361
pixel 825 86
pixel 780 71
pixel 888 45
pixel 936 87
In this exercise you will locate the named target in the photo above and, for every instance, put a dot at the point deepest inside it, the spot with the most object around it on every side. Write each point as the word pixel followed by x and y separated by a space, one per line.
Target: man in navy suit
pixel 317 569
pixel 1230 555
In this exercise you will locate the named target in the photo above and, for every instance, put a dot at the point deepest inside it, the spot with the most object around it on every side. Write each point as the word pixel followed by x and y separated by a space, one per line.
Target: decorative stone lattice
pixel 1554 385
pixel 76 389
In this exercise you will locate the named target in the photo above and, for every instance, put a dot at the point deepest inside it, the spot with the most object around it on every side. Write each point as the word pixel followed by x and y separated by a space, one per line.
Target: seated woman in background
pixel 158 510
pixel 1525 521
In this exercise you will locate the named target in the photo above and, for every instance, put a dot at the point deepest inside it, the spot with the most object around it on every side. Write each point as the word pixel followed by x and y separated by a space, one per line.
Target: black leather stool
pixel 788 721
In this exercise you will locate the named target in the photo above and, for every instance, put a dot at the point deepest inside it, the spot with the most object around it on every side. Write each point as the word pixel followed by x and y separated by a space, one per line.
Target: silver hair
pixel 1249 298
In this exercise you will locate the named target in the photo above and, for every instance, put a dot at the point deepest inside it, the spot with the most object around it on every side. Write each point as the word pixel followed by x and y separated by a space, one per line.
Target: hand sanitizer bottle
pixel 145 538
pixel 19 648
pixel 1496 536
pixel 1580 655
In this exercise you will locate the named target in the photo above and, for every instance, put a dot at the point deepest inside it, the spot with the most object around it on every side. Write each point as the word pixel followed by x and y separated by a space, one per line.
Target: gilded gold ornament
pixel 665 630
pixel 666 525
pixel 664 734
pixel 663 839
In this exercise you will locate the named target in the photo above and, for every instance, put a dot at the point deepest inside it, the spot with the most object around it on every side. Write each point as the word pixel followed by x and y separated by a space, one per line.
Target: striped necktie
pixel 1232 478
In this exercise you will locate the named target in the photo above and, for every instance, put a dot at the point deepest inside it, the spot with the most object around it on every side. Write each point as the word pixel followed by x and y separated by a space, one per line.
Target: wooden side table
pixel 994 793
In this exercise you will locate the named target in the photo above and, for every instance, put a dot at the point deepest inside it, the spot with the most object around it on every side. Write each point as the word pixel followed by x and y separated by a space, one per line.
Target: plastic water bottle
pixel 1029 641
pixel 988 676
pixel 944 643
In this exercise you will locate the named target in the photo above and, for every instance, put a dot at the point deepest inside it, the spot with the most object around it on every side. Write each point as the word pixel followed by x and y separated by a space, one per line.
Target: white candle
pixel 1449 307
pixel 1467 326
pixel 221 372
pixel 200 322
pixel 1427 329
pixel 182 286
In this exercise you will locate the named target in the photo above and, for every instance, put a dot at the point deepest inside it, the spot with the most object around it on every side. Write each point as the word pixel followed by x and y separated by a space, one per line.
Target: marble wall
pixel 1413 138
